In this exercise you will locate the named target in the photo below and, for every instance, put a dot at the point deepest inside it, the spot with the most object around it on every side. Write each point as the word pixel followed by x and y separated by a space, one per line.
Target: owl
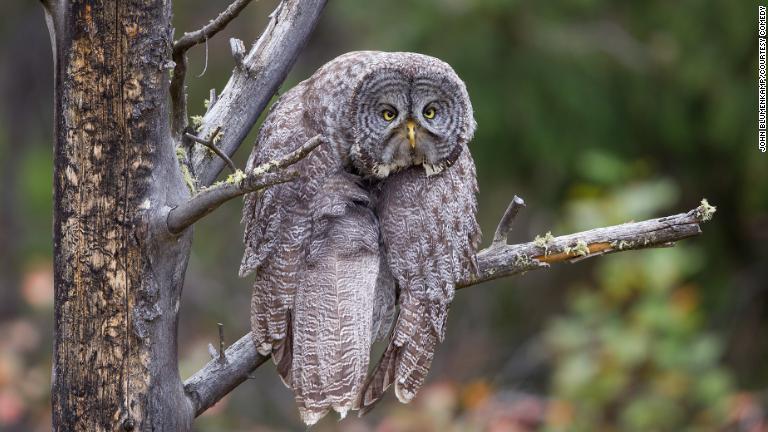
pixel 370 241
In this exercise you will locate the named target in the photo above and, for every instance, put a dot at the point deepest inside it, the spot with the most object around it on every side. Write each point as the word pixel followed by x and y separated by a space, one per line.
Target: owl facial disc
pixel 407 112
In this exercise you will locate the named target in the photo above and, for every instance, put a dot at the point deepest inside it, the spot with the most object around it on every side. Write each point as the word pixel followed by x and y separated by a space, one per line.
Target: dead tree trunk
pixel 123 209
pixel 118 275
pixel 131 178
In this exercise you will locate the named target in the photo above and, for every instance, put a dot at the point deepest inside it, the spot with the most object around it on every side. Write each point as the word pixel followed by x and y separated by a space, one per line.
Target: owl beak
pixel 410 125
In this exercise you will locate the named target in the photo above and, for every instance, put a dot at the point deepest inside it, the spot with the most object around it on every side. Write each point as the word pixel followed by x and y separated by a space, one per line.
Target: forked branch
pixel 179 56
pixel 508 260
pixel 211 144
pixel 239 183
pixel 209 30
pixel 215 380
pixel 254 80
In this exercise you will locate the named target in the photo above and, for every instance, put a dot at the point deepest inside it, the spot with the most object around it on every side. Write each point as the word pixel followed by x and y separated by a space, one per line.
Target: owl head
pixel 409 110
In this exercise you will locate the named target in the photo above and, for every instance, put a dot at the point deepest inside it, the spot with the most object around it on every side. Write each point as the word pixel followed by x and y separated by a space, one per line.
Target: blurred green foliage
pixel 631 354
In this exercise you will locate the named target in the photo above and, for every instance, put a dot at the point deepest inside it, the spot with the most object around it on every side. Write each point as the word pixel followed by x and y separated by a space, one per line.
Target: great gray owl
pixel 383 213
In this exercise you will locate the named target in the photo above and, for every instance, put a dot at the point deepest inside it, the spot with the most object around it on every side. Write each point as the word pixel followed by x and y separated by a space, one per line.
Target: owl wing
pixel 322 291
pixel 277 227
pixel 430 235
pixel 334 304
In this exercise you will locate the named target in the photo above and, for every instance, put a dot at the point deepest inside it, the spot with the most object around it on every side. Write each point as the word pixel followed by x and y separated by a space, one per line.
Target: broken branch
pixel 505 224
pixel 222 354
pixel 497 262
pixel 179 56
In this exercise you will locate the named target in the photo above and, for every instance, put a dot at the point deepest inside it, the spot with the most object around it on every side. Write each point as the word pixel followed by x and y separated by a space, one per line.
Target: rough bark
pixel 118 263
pixel 117 275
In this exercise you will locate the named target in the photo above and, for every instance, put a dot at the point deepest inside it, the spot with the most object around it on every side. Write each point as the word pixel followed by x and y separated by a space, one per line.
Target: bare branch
pixel 212 98
pixel 178 96
pixel 253 83
pixel 238 52
pixel 212 146
pixel 49 6
pixel 505 224
pixel 179 56
pixel 212 351
pixel 208 199
pixel 222 354
pixel 497 262
pixel 214 381
pixel 214 26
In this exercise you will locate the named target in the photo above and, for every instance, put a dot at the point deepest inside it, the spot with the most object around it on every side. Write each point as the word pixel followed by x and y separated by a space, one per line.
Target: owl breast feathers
pixel 383 214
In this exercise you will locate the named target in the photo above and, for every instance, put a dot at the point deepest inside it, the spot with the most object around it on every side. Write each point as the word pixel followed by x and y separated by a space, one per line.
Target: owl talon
pixel 342 410
pixel 264 349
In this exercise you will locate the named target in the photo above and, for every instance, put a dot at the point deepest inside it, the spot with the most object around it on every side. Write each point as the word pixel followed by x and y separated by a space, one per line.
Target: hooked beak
pixel 410 125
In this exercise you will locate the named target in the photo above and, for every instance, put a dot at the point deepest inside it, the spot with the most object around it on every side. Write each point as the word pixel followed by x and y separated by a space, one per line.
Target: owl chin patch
pixel 364 163
pixel 383 170
pixel 432 169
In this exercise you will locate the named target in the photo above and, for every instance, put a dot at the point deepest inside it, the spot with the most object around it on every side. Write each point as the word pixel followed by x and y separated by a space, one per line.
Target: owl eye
pixel 389 114
pixel 430 113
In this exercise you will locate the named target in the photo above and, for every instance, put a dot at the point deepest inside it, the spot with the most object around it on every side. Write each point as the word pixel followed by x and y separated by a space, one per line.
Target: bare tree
pixel 131 178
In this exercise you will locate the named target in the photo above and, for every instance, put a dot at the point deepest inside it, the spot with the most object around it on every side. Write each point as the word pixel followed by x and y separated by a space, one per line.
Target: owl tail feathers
pixel 412 368
pixel 390 371
pixel 281 350
pixel 310 416
pixel 382 377
pixel 282 353
pixel 406 361
pixel 315 403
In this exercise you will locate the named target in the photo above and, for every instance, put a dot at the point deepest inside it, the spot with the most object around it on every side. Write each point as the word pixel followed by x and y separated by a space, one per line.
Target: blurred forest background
pixel 595 112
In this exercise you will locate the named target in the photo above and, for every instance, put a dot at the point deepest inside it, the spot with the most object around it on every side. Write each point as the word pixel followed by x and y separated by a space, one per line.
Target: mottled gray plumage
pixel 384 209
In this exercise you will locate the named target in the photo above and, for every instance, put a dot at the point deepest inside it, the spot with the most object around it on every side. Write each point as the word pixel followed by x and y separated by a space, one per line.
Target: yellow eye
pixel 430 113
pixel 388 114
